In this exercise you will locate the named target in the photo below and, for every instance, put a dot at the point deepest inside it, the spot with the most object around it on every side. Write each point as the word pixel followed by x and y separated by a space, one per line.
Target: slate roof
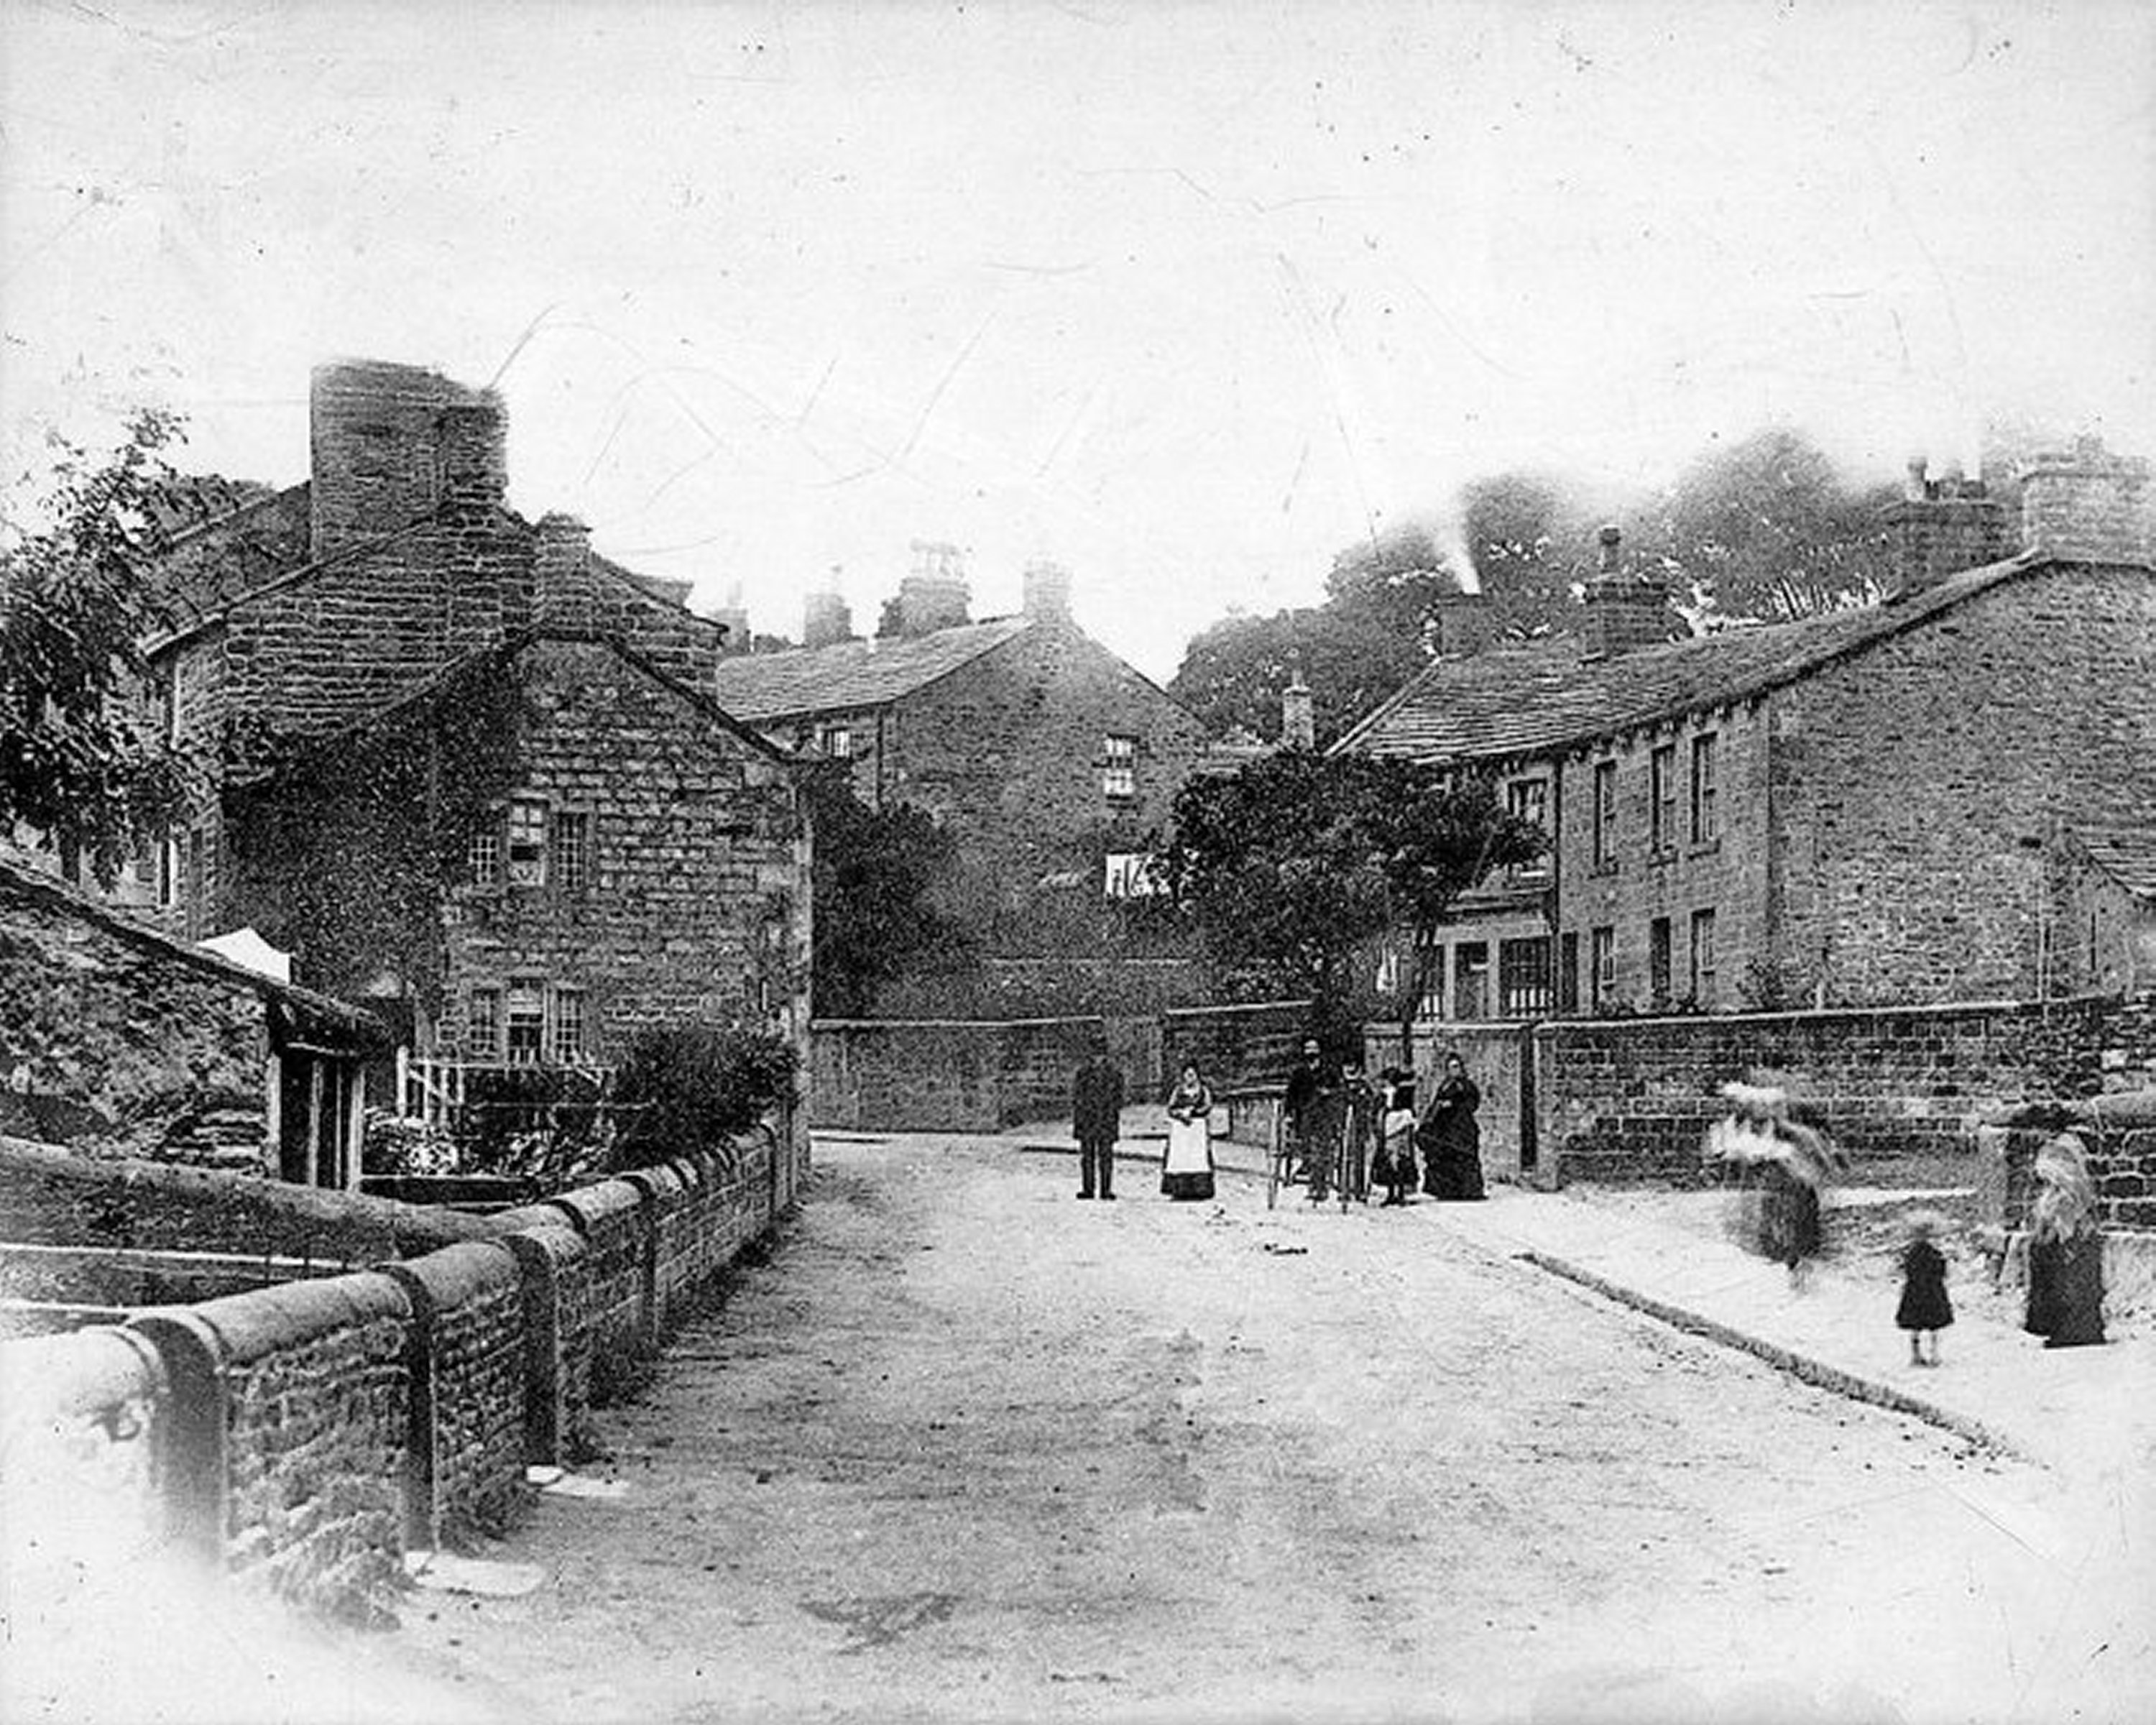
pixel 853 674
pixel 1528 699
pixel 215 540
pixel 2126 853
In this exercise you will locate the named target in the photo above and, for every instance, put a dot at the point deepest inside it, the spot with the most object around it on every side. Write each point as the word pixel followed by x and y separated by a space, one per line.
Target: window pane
pixel 1703 826
pixel 1658 958
pixel 1471 996
pixel 527 843
pixel 483 1024
pixel 569 1024
pixel 1663 763
pixel 486 856
pixel 571 843
pixel 1603 960
pixel 1119 766
pixel 1523 977
pixel 527 1022
pixel 1605 811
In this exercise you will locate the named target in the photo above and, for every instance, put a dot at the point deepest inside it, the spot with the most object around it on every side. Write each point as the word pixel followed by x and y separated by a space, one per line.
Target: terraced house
pixel 1049 760
pixel 1947 795
pixel 467 771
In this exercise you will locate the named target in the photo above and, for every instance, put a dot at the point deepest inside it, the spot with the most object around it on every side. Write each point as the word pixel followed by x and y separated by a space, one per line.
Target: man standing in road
pixel 1311 1118
pixel 1096 1112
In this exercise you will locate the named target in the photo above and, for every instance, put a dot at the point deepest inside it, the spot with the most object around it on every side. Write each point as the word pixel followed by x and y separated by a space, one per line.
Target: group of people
pixel 1783 1163
pixel 1342 1128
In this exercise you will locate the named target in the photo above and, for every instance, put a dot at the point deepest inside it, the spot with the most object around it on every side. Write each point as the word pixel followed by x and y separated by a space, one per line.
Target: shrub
pixel 689 1088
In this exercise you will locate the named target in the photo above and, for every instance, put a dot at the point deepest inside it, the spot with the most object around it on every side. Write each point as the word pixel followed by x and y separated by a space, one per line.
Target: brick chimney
pixel 1940 526
pixel 393 443
pixel 562 593
pixel 826 619
pixel 2089 505
pixel 1048 591
pixel 935 595
pixel 1464 625
pixel 1623 611
pixel 1298 714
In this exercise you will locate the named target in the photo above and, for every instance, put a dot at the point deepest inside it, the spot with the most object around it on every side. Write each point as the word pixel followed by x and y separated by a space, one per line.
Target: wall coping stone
pixel 458 1273
pixel 588 1206
pixel 252 1325
pixel 1089 1019
pixel 1556 1027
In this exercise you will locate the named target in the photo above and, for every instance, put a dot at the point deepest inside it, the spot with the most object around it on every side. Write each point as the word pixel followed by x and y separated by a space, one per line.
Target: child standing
pixel 1925 1309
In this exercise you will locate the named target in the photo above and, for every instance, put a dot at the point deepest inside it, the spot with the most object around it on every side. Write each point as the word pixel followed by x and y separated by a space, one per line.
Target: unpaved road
pixel 965 1448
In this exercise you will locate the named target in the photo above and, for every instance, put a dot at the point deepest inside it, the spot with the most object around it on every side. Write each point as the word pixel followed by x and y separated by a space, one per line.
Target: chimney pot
pixel 1611 536
pixel 1298 714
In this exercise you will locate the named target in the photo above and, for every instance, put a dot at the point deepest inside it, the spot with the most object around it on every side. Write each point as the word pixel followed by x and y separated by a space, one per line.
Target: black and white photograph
pixel 767 765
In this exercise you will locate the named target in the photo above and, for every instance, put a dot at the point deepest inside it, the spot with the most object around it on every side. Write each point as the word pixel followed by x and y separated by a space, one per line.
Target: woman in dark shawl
pixel 1449 1139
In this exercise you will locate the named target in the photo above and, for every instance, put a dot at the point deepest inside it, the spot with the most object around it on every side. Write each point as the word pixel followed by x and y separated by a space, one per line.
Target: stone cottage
pixel 115 1040
pixel 466 769
pixel 1048 759
pixel 1870 807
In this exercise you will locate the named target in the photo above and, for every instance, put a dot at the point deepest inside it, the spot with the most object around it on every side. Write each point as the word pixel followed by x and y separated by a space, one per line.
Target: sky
pixel 1186 297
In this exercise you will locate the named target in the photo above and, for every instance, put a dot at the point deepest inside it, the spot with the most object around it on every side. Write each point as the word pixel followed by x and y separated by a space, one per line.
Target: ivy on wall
pixel 349 846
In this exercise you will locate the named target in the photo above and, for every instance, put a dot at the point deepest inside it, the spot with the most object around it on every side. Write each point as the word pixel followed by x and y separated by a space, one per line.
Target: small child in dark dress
pixel 1925 1309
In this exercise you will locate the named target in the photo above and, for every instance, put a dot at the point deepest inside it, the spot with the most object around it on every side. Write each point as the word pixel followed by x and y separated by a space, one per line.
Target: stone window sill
pixel 1705 847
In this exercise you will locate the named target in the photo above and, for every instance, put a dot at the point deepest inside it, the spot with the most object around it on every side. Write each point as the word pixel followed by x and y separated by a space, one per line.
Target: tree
pixel 1532 541
pixel 876 873
pixel 1233 673
pixel 1767 530
pixel 1394 581
pixel 1294 865
pixel 77 762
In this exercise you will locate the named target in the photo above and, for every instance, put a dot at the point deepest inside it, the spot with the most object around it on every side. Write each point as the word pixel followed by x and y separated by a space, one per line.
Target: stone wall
pixel 1632 1099
pixel 1234 1045
pixel 1910 835
pixel 303 1436
pixel 953 1075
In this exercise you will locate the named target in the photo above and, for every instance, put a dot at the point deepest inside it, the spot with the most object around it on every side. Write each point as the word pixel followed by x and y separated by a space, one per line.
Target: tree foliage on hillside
pixel 1233 673
pixel 77 763
pixel 1294 865
pixel 876 875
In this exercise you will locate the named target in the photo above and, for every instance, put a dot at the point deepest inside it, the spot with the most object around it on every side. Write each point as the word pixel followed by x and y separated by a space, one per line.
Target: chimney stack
pixel 1464 625
pixel 1298 713
pixel 733 617
pixel 1048 591
pixel 2089 505
pixel 1623 612
pixel 392 443
pixel 562 573
pixel 826 619
pixel 1941 526
pixel 935 595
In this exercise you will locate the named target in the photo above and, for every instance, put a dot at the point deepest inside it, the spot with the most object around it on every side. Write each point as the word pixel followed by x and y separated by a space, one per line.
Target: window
pixel 1703 957
pixel 486 855
pixel 1471 981
pixel 1602 967
pixel 1523 977
pixel 169 869
pixel 568 1025
pixel 1527 799
pixel 1567 972
pixel 1658 960
pixel 1705 825
pixel 1130 874
pixel 483 1024
pixel 1605 815
pixel 837 742
pixel 527 843
pixel 527 1022
pixel 1662 772
pixel 1119 767
pixel 1429 975
pixel 572 837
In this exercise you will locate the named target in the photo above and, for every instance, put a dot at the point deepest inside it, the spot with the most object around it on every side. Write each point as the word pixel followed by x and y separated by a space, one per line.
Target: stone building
pixel 115 1040
pixel 1863 808
pixel 466 769
pixel 1049 760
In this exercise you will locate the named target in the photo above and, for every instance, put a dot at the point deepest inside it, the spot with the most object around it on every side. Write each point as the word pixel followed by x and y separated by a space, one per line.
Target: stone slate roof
pixel 309 1012
pixel 2126 853
pixel 217 540
pixel 853 674
pixel 1528 699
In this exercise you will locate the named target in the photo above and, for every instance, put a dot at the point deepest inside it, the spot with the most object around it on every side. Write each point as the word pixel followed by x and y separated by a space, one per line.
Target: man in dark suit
pixel 1096 1113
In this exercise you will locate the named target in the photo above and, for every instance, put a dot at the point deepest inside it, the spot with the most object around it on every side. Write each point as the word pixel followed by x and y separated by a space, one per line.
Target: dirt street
pixel 964 1447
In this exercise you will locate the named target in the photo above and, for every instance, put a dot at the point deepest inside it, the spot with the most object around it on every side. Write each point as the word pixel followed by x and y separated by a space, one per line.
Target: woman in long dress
pixel 1450 1139
pixel 1187 1172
